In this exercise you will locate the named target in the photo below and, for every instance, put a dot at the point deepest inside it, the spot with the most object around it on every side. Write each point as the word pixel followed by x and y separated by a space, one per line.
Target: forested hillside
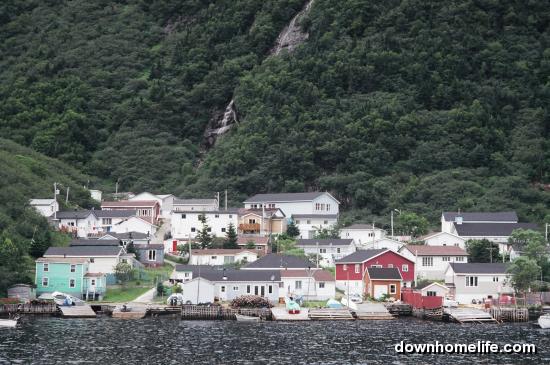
pixel 418 105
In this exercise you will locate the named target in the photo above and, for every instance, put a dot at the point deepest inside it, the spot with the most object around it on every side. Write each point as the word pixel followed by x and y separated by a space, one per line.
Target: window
pixel 223 289
pixel 93 282
pixel 73 268
pixel 223 229
pixel 186 274
pixel 183 216
pixel 390 265
pixel 214 257
pixel 235 288
pixel 460 258
pixel 71 283
pixel 446 258
pixel 45 281
pixel 106 221
pixel 216 215
pixel 456 244
pixel 321 285
pixel 297 221
pixel 193 229
pixel 125 261
pixel 230 215
pixel 345 268
pixel 317 206
pixel 92 260
pixel 46 268
pixel 371 234
pixel 270 289
pixel 405 268
pixel 308 221
pixel 357 268
pixel 248 289
pixel 251 221
pixel 471 280
pixel 298 284
pixel 431 293
pixel 325 222
pixel 427 261
pixel 322 250
pixel 379 266
pixel 393 289
pixel 281 285
pixel 338 250
pixel 322 206
pixel 209 229
pixel 495 279
pixel 152 255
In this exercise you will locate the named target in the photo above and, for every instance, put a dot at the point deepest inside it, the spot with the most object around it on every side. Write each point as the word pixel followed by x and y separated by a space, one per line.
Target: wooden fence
pixel 30 308
pixel 219 312
pixel 417 300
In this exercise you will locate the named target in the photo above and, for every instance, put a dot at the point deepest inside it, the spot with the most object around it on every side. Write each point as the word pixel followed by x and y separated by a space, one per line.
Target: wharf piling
pixel 219 312
pixel 29 308
pixel 510 314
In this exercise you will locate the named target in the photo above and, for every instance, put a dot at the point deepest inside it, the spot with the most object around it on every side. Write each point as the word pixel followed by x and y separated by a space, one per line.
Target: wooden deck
pixel 330 314
pixel 469 315
pixel 281 314
pixel 135 312
pixel 373 311
pixel 77 311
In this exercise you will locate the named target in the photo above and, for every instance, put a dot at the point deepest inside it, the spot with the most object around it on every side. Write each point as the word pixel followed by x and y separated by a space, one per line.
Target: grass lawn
pixel 315 303
pixel 123 294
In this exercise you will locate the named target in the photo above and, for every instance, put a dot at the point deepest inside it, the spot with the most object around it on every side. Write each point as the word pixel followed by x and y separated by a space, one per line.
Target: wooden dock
pixel 503 314
pixel 399 309
pixel 219 312
pixel 373 311
pixel 468 315
pixel 77 311
pixel 330 314
pixel 46 308
pixel 281 314
pixel 134 312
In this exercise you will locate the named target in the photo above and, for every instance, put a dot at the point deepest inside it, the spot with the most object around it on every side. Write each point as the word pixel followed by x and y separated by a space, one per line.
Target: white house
pixel 146 209
pixel 110 218
pixel 296 203
pixel 494 232
pixel 434 290
pixel 46 207
pixel 444 239
pixel 432 261
pixel 186 224
pixel 275 261
pixel 309 284
pixel 222 256
pixel 310 224
pixel 384 242
pixel 166 202
pixel 448 219
pixel 125 238
pixel 135 224
pixel 328 250
pixel 199 205
pixel 477 281
pixel 362 234
pixel 80 223
pixel 228 284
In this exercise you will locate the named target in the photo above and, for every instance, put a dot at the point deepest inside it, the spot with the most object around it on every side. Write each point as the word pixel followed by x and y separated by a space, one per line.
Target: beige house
pixel 261 222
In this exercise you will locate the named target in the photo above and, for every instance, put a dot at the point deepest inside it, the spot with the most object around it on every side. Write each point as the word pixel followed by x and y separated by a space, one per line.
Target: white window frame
pixel 46 267
pixel 471 281
pixel 47 282
pixel 357 268
pixel 74 283
pixel 405 267
pixel 73 268
pixel 152 255
pixel 345 267
pixel 92 282
pixel 427 261
pixel 393 288
pixel 222 288
pixel 322 250
pixel 298 284
pixel 321 285
pixel 235 288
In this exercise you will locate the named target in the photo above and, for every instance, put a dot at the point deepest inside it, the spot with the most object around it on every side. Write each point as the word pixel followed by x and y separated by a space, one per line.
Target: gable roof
pixel 285 197
pixel 41 201
pixel 276 261
pixel 195 202
pixel 318 275
pixel 435 234
pixel 482 216
pixel 114 213
pixel 82 251
pixel 129 203
pixel 94 242
pixel 324 242
pixel 221 251
pixel 361 255
pixel 491 229
pixel 478 268
pixel 384 273
pixel 74 214
pixel 424 250
pixel 269 212
pixel 361 226
pixel 62 260
pixel 126 235
pixel 213 273
pixel 427 285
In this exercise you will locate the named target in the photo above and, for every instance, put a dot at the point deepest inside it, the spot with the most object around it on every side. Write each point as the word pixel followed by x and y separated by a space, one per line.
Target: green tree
pixel 123 272
pixel 524 272
pixel 230 237
pixel 412 224
pixel 482 251
pixel 250 245
pixel 292 230
pixel 325 233
pixel 204 238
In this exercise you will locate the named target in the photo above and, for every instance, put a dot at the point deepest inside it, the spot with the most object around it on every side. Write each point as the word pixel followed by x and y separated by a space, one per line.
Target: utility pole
pixel 391 219
pixel 218 199
pixel 55 192
pixel 67 197
pixel 116 188
pixel 546 225
pixel 225 199
pixel 373 238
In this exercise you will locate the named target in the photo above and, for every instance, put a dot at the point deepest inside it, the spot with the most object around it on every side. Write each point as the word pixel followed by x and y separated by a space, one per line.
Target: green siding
pixel 58 275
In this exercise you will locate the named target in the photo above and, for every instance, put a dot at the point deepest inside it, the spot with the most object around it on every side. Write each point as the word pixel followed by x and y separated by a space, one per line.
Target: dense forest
pixel 417 105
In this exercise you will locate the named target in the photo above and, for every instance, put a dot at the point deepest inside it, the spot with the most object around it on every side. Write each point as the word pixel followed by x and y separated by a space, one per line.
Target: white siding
pixel 182 227
pixel 134 224
pixel 221 259
pixel 328 254
pixel 445 239
pixel 309 288
pixel 310 225
pixel 363 236
pixel 198 291
pixel 302 207
pixel 437 270
pixel 355 286
pixel 90 225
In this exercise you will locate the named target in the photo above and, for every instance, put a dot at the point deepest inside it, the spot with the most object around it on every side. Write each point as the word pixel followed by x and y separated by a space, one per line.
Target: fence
pixel 29 308
pixel 417 300
pixel 219 312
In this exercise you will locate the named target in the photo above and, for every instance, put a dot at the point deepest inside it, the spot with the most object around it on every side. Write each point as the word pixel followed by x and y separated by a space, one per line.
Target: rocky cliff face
pixel 289 38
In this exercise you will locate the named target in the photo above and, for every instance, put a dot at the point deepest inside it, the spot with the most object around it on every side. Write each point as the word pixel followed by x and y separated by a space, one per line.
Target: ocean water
pixel 167 340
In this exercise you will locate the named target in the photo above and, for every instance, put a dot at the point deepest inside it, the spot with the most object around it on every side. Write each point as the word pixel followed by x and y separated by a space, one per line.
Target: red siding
pixel 385 259
pixel 417 300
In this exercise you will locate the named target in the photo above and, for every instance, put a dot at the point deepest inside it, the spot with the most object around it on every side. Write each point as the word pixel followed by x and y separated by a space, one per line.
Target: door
pixel 380 290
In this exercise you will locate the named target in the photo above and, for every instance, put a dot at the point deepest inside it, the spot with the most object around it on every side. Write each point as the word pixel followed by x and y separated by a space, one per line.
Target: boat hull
pixel 242 318
pixel 544 321
pixel 10 323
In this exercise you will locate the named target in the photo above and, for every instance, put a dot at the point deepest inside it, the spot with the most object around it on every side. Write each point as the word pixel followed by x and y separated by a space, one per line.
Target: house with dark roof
pixel 275 261
pixel 195 205
pixel 308 284
pixel 222 256
pixel 79 223
pixel 432 261
pixel 260 243
pixel 351 270
pixel 207 284
pixel 383 282
pixel 448 219
pixel 443 239
pixel 470 282
pixel 127 237
pixel 494 232
pixel 310 211
pixel 326 251
pixel 95 242
pixel 108 219
pixel 46 207
pixel 362 234
pixel 151 255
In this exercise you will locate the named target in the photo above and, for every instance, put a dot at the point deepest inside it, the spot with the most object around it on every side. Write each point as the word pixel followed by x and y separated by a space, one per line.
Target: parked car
pixel 356 298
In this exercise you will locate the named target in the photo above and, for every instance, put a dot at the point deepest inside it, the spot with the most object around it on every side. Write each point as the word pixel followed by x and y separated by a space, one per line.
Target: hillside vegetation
pixel 419 105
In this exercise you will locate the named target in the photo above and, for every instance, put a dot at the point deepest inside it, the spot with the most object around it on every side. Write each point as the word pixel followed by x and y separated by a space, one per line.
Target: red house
pixel 351 270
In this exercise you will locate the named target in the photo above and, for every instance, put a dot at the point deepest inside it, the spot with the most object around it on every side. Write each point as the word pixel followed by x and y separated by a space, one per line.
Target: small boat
pixel 10 323
pixel 65 299
pixel 544 321
pixel 243 318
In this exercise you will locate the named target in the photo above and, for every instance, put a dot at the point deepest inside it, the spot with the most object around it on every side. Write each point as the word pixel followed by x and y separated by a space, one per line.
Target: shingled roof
pixel 115 213
pixel 83 251
pixel 361 256
pixel 283 197
pixel 478 268
pixel 481 216
pixel 213 273
pixel 491 229
pixel 74 214
pixel 276 261
pixel 384 273
pixel 94 242
pixel 324 242
pixel 424 250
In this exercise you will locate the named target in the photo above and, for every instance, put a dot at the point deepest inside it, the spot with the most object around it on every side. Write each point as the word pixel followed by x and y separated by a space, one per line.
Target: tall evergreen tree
pixel 204 237
pixel 230 237
pixel 292 230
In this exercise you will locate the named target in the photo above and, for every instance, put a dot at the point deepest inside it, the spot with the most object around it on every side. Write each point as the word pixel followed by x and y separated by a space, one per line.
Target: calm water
pixel 46 340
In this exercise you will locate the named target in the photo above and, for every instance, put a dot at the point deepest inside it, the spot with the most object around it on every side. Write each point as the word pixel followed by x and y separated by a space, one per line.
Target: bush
pixel 250 301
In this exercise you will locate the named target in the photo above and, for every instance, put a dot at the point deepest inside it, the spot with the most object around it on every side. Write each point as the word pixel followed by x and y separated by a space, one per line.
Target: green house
pixel 69 276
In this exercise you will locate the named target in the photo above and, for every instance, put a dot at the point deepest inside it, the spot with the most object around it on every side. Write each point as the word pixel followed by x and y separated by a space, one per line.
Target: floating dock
pixel 134 312
pixel 510 314
pixel 281 314
pixel 468 315
pixel 330 314
pixel 372 311
pixel 77 311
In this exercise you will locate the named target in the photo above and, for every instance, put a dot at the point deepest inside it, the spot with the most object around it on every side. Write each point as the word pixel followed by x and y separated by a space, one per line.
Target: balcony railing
pixel 249 227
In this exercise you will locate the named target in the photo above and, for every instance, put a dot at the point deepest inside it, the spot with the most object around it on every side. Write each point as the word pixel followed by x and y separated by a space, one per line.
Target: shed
pixel 24 292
